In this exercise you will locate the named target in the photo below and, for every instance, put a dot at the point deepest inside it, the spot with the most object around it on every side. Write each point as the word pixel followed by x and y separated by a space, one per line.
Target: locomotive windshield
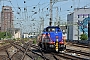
pixel 52 29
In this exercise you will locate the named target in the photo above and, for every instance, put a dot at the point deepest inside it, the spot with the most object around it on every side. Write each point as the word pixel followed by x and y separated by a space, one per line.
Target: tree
pixel 9 35
pixel 83 37
pixel 2 35
pixel 5 35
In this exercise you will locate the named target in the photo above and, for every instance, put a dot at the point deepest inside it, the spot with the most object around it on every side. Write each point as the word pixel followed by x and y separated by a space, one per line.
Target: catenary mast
pixel 50 23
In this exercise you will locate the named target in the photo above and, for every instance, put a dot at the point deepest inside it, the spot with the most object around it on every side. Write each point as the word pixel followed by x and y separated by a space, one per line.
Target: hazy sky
pixel 42 8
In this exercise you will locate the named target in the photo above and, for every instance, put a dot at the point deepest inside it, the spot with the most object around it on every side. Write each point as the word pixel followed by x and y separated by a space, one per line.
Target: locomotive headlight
pixel 62 45
pixel 56 40
pixel 51 46
pixel 56 37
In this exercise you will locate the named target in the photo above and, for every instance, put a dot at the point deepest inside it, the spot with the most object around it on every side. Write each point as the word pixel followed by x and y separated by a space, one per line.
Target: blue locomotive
pixel 52 39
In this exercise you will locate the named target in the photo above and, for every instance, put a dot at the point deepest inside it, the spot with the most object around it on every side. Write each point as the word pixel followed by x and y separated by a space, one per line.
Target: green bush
pixel 17 38
pixel 34 41
pixel 25 39
pixel 5 35
pixel 83 37
pixel 14 39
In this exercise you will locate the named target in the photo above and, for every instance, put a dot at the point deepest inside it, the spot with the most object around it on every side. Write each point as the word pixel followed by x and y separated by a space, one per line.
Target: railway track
pixel 83 46
pixel 8 55
pixel 4 49
pixel 78 45
pixel 21 49
pixel 78 52
pixel 58 56
pixel 27 50
pixel 32 51
pixel 67 56
pixel 6 45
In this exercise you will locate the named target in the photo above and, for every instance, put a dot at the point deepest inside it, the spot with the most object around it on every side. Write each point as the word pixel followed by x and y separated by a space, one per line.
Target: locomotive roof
pixel 52 27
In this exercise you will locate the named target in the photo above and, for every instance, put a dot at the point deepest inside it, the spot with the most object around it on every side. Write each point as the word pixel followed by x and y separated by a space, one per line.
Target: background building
pixel 75 22
pixel 64 30
pixel 17 33
pixel 6 18
pixel 0 21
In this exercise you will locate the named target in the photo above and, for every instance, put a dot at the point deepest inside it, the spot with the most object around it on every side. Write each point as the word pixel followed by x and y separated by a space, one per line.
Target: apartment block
pixel 6 18
pixel 77 23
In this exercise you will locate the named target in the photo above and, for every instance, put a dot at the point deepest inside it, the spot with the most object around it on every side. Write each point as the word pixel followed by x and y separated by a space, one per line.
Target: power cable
pixel 14 8
pixel 45 6
pixel 87 5
pixel 79 4
pixel 73 3
pixel 12 4
pixel 17 3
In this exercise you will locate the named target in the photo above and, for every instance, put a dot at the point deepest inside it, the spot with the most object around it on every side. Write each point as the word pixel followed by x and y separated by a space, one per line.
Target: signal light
pixel 51 42
pixel 44 35
pixel 61 42
pixel 49 35
pixel 56 37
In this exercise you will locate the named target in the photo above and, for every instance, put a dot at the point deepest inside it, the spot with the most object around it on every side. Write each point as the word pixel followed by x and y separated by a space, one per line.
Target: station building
pixel 77 22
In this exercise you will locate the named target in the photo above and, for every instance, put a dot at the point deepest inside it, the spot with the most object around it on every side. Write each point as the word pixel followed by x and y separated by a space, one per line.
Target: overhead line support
pixel 50 23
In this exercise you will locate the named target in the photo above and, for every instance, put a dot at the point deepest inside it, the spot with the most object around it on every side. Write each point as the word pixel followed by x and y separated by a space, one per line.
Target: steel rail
pixel 78 52
pixel 68 56
pixel 8 55
pixel 23 50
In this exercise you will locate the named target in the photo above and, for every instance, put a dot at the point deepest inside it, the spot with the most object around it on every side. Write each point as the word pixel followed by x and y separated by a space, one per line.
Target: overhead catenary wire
pixel 15 8
pixel 12 5
pixel 17 3
pixel 79 4
pixel 40 5
pixel 86 5
pixel 18 6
